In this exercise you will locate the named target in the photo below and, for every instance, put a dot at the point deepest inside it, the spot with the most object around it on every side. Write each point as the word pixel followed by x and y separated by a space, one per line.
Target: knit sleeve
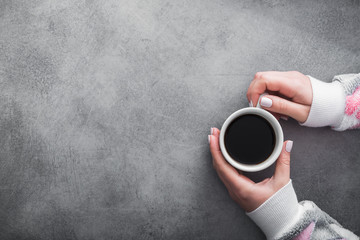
pixel 335 104
pixel 281 217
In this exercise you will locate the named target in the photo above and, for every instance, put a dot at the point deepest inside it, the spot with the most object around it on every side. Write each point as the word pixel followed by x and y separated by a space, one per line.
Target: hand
pixel 290 93
pixel 245 192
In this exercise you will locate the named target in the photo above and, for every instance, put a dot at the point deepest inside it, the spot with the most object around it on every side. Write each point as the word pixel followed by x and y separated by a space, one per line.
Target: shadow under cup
pixel 251 139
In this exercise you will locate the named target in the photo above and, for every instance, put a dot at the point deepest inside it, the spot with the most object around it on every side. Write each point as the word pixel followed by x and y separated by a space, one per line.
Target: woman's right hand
pixel 290 93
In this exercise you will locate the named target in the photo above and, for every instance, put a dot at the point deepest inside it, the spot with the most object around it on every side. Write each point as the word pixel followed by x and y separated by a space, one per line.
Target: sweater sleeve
pixel 335 104
pixel 282 217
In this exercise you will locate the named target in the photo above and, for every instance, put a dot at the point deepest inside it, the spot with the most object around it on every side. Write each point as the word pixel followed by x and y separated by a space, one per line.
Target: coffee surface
pixel 250 139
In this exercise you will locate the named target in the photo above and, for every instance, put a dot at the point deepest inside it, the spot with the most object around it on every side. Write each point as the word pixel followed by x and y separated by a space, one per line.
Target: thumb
pixel 282 170
pixel 285 107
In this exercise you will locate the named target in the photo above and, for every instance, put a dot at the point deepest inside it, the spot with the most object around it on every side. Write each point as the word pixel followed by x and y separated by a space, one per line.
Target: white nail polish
pixel 284 118
pixel 266 102
pixel 251 104
pixel 209 138
pixel 212 131
pixel 289 146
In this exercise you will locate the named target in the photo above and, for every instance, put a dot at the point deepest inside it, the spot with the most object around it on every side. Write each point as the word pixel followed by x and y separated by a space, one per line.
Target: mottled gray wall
pixel 105 108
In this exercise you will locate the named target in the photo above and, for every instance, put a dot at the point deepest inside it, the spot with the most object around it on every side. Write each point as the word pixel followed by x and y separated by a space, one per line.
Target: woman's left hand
pixel 248 194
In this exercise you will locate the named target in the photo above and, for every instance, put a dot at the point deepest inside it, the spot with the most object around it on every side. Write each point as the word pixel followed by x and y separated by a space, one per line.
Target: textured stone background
pixel 105 108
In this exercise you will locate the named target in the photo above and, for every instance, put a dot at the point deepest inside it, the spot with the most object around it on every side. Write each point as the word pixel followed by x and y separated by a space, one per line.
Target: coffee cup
pixel 251 139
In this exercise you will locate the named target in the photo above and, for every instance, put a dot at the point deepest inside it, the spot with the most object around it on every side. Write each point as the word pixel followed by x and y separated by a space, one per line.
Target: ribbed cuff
pixel 277 213
pixel 328 104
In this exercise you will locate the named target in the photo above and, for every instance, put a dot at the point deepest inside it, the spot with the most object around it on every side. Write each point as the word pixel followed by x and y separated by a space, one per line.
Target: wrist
pixel 328 104
pixel 277 213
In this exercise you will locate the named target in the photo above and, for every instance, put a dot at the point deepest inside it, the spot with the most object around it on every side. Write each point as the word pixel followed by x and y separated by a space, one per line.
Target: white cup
pixel 279 138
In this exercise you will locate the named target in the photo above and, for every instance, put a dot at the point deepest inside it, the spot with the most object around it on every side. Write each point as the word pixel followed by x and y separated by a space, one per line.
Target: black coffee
pixel 249 139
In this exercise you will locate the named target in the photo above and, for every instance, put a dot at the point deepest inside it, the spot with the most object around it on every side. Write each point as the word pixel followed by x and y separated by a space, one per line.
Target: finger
pixel 249 91
pixel 216 132
pixel 228 187
pixel 284 107
pixel 227 173
pixel 272 81
pixel 252 93
pixel 282 170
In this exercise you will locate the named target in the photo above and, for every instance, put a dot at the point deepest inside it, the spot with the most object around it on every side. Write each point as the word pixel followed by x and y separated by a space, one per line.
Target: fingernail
pixel 209 138
pixel 251 104
pixel 289 145
pixel 284 118
pixel 266 102
pixel 212 131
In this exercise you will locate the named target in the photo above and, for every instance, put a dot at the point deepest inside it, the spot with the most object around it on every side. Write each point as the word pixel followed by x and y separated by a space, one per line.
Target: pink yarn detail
pixel 306 233
pixel 353 102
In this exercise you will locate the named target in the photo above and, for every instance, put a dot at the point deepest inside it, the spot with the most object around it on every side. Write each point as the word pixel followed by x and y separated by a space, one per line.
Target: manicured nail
pixel 289 146
pixel 212 131
pixel 209 138
pixel 266 102
pixel 251 104
pixel 284 118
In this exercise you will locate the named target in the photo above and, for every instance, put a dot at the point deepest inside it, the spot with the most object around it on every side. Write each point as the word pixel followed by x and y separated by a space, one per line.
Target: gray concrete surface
pixel 105 108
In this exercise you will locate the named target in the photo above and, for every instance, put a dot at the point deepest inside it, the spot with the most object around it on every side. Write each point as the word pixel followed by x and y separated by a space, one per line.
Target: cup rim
pixel 279 136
